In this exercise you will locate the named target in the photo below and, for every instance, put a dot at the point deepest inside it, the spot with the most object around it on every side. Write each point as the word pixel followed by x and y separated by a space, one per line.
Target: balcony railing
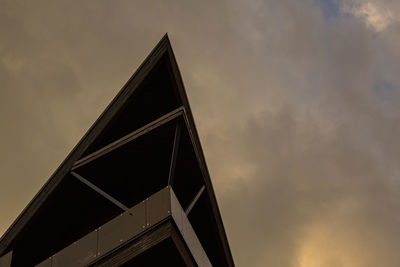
pixel 126 227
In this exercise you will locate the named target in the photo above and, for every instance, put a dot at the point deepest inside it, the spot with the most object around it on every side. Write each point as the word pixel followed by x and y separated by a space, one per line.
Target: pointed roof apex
pixel 129 153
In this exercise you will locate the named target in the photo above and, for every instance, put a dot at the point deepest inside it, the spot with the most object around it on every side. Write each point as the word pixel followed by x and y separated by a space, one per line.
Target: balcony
pixel 158 223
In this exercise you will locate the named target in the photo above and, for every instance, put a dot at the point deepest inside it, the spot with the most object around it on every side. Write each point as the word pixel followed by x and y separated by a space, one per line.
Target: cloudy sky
pixel 297 103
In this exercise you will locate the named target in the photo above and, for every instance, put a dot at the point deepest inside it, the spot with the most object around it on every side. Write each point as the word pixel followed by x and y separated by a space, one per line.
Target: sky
pixel 297 104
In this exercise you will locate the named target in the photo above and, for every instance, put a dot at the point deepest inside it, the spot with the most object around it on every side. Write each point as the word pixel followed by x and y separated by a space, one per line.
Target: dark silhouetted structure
pixel 135 191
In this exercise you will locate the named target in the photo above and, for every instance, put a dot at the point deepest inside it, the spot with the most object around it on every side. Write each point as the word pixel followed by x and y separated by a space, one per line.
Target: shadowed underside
pixel 144 141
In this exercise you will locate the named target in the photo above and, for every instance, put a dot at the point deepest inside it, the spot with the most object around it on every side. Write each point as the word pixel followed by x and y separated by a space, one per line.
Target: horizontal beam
pixel 101 192
pixel 129 137
pixel 194 200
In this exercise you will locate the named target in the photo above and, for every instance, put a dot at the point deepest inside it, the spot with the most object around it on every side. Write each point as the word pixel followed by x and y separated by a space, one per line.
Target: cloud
pixel 298 115
pixel 377 14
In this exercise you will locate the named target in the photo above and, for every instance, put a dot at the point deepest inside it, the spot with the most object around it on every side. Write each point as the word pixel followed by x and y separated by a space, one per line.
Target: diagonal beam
pixel 194 200
pixel 175 149
pixel 101 192
pixel 129 137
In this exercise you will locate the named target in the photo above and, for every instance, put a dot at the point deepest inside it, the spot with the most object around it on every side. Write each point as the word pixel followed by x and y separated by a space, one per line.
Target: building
pixel 135 191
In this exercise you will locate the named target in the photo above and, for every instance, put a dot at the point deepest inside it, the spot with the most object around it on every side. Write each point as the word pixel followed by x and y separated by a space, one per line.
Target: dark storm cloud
pixel 296 103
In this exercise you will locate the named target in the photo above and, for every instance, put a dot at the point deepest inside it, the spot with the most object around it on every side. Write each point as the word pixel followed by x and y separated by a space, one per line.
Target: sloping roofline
pixel 162 48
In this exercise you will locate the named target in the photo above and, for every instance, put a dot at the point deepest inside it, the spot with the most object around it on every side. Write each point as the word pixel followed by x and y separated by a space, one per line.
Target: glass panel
pixel 158 206
pixel 45 263
pixel 6 260
pixel 122 228
pixel 79 253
